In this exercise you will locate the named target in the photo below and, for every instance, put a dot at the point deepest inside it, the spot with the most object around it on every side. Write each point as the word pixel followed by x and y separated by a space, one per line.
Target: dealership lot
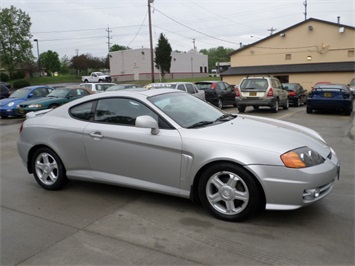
pixel 98 224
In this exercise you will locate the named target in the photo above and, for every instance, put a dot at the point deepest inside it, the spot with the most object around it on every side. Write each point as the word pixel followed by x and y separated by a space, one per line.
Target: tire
pixel 53 105
pixel 229 192
pixel 309 110
pixel 286 105
pixel 100 80
pixel 256 107
pixel 4 116
pixel 219 103
pixel 297 102
pixel 275 107
pixel 86 81
pixel 48 169
pixel 348 111
pixel 241 109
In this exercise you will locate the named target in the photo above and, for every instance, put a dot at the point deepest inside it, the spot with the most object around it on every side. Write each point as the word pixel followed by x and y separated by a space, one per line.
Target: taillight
pixel 213 86
pixel 237 93
pixel 292 93
pixel 270 93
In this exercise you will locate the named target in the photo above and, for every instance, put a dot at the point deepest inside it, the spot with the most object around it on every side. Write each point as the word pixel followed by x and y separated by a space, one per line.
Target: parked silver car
pixel 188 87
pixel 261 91
pixel 170 142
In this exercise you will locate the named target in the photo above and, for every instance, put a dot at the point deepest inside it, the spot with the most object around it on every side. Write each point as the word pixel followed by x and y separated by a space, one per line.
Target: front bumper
pixel 287 189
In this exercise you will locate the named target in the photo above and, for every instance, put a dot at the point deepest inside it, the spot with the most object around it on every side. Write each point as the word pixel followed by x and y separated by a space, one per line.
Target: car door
pixel 122 153
pixel 227 93
pixel 281 92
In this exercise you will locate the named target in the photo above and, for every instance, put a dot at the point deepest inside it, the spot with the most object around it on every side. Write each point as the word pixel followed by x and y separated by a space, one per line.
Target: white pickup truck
pixel 96 77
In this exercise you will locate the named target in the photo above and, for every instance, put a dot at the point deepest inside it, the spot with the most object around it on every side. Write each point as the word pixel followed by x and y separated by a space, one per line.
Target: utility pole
pixel 272 30
pixel 151 40
pixel 77 54
pixel 193 41
pixel 305 9
pixel 108 38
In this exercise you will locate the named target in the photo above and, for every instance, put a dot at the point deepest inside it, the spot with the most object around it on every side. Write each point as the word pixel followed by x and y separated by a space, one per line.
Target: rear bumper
pixel 256 102
pixel 329 104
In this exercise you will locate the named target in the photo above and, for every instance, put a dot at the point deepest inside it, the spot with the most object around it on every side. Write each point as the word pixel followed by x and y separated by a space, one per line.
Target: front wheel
pixel 309 110
pixel 286 105
pixel 48 169
pixel 219 103
pixel 229 192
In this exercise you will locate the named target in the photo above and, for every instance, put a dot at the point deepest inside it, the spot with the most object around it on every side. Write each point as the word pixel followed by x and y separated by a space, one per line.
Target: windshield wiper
pixel 201 124
pixel 226 117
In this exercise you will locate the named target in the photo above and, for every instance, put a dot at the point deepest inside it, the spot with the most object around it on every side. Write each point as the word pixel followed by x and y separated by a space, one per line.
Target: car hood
pixel 6 101
pixel 263 134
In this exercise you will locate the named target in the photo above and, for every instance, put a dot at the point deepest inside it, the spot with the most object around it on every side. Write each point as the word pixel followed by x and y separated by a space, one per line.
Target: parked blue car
pixel 330 97
pixel 8 105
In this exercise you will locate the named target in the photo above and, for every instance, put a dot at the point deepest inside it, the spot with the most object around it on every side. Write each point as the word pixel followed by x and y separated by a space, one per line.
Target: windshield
pixel 21 93
pixel 254 84
pixel 61 93
pixel 289 86
pixel 186 110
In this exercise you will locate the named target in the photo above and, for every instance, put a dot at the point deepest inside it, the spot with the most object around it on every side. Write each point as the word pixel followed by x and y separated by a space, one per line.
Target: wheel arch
pixel 194 187
pixel 32 152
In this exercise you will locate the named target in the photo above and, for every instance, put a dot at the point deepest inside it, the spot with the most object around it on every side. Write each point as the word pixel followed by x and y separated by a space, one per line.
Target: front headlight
pixel 301 158
pixel 10 104
pixel 35 106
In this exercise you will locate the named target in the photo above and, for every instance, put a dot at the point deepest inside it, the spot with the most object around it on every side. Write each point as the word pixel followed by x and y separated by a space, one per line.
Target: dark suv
pixel 4 91
pixel 218 93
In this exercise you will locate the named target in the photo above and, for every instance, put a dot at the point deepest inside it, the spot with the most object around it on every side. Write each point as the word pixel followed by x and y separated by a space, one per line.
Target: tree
pixel 219 54
pixel 64 65
pixel 163 55
pixel 15 44
pixel 50 61
pixel 117 47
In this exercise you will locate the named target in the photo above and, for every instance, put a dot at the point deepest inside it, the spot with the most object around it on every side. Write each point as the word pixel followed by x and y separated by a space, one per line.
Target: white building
pixel 129 65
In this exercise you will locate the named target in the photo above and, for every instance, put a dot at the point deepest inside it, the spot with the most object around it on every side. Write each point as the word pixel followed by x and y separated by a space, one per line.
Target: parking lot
pixel 96 224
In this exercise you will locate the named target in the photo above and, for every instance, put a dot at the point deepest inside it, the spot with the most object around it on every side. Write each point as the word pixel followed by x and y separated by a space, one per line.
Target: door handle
pixel 96 135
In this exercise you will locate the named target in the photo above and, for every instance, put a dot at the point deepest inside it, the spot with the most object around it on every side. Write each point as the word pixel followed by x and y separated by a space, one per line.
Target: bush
pixel 21 83
pixel 4 77
pixel 19 75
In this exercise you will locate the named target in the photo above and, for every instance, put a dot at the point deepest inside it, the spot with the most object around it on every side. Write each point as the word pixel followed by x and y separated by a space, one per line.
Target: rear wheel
pixel 48 169
pixel 348 111
pixel 275 107
pixel 229 192
pixel 241 108
pixel 286 105
pixel 297 102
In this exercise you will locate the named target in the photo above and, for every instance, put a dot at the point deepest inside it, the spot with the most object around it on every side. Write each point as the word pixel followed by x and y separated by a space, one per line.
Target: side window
pixel 122 111
pixel 81 92
pixel 181 87
pixel 72 93
pixel 40 92
pixel 82 111
pixel 190 88
pixel 220 86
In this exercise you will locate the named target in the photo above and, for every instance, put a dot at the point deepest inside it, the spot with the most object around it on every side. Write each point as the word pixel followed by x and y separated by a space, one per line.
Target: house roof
pixel 298 68
pixel 285 30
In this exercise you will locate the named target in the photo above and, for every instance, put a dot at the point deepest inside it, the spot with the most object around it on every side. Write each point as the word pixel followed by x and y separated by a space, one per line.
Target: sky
pixel 75 27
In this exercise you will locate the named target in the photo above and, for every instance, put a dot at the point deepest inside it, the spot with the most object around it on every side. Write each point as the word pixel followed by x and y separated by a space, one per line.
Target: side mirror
pixel 146 121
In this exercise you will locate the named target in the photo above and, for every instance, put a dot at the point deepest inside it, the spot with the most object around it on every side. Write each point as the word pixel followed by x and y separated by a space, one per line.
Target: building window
pixel 205 69
pixel 288 57
pixel 201 68
pixel 350 53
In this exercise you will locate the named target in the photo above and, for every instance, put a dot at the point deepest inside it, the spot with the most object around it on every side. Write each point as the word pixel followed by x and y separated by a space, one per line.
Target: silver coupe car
pixel 170 142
